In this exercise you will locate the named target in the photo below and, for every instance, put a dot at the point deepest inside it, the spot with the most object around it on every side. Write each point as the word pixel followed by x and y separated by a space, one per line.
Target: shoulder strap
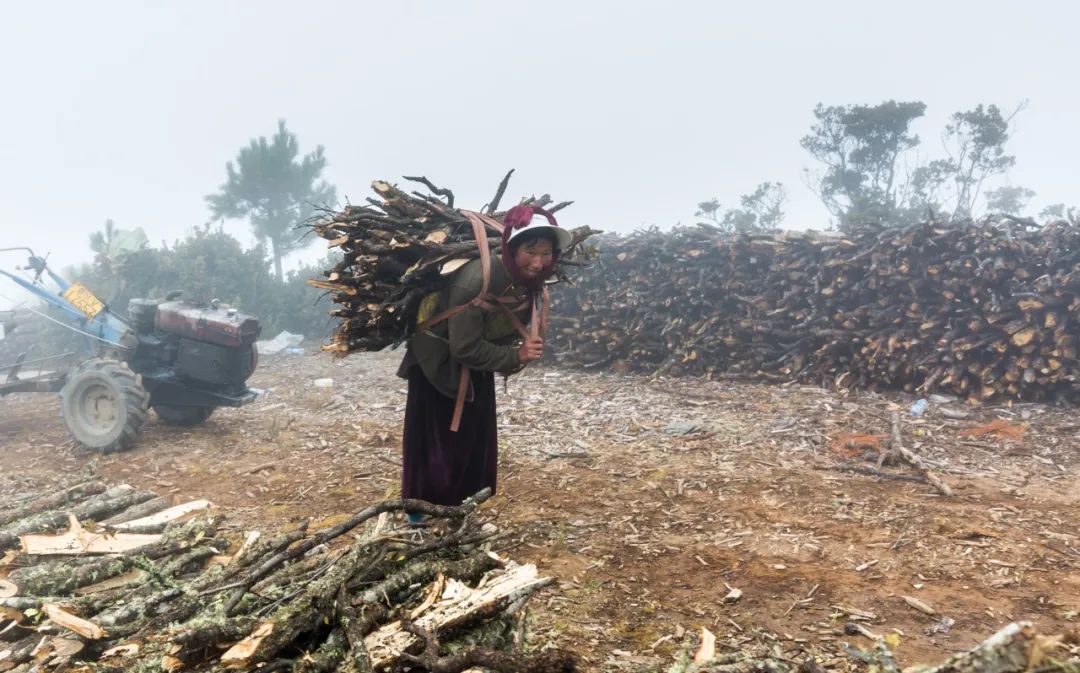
pixel 480 234
pixel 485 300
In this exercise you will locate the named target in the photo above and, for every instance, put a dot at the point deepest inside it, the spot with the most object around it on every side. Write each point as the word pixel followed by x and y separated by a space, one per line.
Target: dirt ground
pixel 650 501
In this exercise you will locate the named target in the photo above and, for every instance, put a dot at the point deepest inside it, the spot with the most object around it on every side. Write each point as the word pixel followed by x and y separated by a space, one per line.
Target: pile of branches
pixel 981 309
pixel 361 595
pixel 396 250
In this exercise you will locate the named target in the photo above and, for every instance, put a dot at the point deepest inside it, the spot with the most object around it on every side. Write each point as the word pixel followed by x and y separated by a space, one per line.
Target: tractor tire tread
pixel 136 401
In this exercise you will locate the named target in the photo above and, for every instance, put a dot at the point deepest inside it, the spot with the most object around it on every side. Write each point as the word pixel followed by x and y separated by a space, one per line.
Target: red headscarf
pixel 519 217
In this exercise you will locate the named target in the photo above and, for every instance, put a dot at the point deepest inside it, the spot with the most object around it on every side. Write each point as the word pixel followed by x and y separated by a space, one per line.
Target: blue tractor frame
pixel 118 366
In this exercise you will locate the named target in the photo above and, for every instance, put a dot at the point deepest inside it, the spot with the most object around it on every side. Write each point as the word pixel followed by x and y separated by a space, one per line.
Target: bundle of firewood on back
pixel 983 309
pixel 114 579
pixel 397 250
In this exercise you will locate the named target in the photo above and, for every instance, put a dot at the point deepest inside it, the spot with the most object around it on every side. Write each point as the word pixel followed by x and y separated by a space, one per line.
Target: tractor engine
pixel 180 359
pixel 201 344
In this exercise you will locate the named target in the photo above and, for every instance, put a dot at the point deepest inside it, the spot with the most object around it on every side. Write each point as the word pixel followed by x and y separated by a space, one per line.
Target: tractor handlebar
pixel 34 263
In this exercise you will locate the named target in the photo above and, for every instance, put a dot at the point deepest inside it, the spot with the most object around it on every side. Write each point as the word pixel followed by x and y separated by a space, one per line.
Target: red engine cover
pixel 211 325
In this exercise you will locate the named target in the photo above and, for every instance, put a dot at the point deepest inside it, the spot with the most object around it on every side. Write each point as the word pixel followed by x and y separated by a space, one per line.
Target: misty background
pixel 129 111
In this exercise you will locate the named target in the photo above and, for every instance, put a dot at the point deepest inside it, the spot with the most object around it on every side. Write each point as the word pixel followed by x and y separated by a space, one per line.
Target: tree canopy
pixel 861 147
pixel 760 211
pixel 871 173
pixel 275 188
pixel 974 143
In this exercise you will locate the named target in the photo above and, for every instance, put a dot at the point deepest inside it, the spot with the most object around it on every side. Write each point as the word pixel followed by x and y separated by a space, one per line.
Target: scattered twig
pixel 871 472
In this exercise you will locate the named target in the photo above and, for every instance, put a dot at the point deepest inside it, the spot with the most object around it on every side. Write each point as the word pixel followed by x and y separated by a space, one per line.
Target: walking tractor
pixel 181 359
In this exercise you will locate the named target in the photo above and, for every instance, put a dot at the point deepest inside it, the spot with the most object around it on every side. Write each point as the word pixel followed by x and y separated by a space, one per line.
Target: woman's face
pixel 533 257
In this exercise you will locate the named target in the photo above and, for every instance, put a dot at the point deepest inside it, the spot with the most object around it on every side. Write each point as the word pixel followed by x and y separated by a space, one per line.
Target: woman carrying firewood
pixel 445 465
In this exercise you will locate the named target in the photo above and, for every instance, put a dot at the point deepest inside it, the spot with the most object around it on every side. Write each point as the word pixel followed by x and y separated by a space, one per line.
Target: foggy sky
pixel 637 111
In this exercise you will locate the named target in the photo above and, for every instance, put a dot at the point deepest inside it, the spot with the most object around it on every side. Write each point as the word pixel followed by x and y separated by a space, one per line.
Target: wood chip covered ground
pixel 782 519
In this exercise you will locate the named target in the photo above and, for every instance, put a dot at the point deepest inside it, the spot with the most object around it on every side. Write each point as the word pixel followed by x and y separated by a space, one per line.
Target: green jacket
pixel 481 340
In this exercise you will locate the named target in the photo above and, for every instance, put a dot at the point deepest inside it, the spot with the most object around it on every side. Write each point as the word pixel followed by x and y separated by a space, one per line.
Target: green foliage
pixel 1059 211
pixel 111 246
pixel 866 176
pixel 1008 200
pixel 861 147
pixel 211 264
pixel 760 211
pixel 974 143
pixel 710 210
pixel 206 265
pixel 274 189
pixel 301 308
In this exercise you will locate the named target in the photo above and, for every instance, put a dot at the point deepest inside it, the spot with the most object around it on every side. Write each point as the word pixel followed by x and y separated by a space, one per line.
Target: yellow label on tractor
pixel 83 299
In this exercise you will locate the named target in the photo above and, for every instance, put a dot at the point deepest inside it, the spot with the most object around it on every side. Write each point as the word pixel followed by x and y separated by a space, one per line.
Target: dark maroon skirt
pixel 443 467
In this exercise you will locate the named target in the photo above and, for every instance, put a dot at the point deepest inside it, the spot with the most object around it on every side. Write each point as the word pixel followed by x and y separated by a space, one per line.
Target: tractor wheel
pixel 182 416
pixel 104 405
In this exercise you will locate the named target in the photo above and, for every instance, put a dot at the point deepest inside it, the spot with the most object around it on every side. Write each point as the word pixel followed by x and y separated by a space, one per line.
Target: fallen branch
pixel 324 536
pixel 549 661
pixel 78 540
pixel 1017 648
pixel 74 624
pixel 895 443
pixel 457 606
pixel 161 519
pixel 915 460
pixel 64 498
pixel 870 472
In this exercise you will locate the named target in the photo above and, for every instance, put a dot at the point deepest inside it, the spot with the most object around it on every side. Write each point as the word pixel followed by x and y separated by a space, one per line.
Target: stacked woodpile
pixel 114 579
pixel 984 310
pixel 397 249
